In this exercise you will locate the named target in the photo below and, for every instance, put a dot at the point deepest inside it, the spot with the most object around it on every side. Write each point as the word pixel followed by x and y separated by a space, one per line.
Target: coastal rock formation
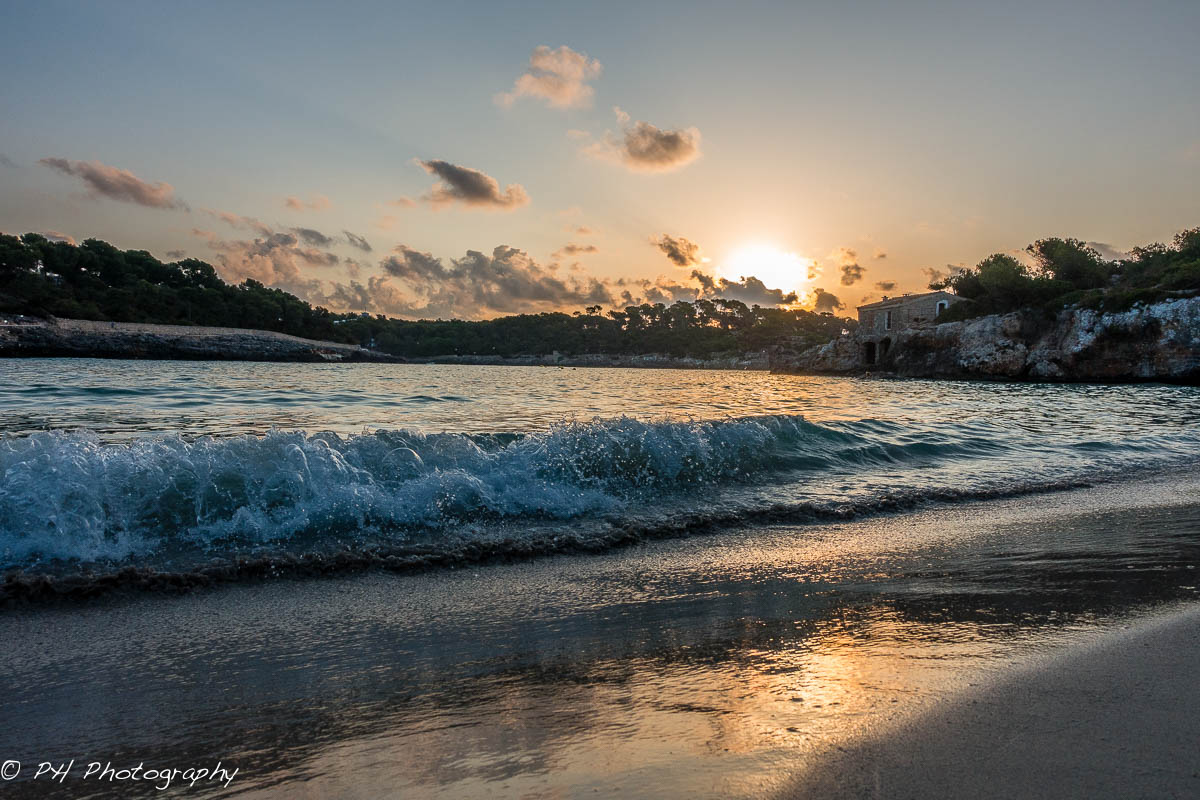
pixel 1147 342
pixel 27 336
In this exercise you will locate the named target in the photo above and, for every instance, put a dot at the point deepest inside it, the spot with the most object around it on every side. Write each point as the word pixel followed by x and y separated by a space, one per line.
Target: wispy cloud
pixel 559 77
pixel 357 241
pixel 471 188
pixel 5 161
pixel 55 236
pixel 117 184
pixel 573 249
pixel 317 202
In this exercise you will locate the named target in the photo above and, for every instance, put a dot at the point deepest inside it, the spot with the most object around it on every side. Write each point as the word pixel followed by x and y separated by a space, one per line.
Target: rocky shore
pixel 1158 342
pixel 28 336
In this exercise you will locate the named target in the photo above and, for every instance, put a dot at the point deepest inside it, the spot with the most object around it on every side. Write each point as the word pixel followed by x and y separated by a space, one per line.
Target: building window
pixel 941 306
pixel 887 320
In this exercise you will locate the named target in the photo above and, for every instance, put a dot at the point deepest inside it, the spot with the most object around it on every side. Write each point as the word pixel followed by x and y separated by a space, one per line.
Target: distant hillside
pixel 96 281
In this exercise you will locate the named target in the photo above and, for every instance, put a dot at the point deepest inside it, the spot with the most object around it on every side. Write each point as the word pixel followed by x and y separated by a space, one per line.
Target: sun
pixel 776 268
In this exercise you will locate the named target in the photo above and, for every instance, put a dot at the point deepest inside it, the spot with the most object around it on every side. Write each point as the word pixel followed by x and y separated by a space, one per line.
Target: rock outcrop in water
pixel 27 336
pixel 1159 342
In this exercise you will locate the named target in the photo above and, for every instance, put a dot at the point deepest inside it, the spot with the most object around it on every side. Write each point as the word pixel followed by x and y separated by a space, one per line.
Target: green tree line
pixel 97 281
pixel 1067 272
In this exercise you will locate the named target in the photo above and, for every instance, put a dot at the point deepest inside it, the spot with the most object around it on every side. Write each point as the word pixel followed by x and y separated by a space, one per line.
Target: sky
pixel 474 159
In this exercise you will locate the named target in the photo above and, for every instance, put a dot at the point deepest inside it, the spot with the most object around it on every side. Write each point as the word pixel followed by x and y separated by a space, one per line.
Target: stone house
pixel 878 322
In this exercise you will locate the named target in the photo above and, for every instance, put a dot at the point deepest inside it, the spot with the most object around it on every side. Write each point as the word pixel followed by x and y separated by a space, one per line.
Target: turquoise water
pixel 171 464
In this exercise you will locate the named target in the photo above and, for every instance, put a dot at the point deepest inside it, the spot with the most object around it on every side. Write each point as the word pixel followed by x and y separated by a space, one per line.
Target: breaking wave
pixel 69 498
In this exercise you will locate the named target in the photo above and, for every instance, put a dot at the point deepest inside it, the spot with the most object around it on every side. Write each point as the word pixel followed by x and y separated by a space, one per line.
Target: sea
pixel 366 580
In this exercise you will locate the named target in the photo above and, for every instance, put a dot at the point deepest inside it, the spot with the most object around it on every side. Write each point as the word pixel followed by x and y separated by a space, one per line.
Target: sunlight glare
pixel 776 268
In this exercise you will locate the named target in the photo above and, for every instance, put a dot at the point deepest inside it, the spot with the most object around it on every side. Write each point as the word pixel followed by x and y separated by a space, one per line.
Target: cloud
pixel 935 275
pixel 643 147
pixel 55 236
pixel 273 258
pixel 679 250
pixel 1108 252
pixel 5 161
pixel 558 77
pixel 885 286
pixel 176 254
pixel 573 249
pixel 851 274
pixel 879 254
pixel 583 230
pixel 313 237
pixel 238 221
pixel 749 290
pixel 319 202
pixel 357 241
pixel 477 285
pixel 385 222
pixel 471 187
pixel 117 184
pixel 402 202
pixel 825 301
pixel 847 259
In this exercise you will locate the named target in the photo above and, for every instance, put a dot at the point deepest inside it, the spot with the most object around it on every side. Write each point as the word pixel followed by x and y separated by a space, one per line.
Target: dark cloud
pixel 5 161
pixel 357 241
pixel 507 281
pixel 413 264
pixel 880 254
pixel 557 76
pixel 176 254
pixel 643 147
pixel 936 275
pixel 825 301
pixel 749 290
pixel 117 184
pixel 313 237
pixel 573 249
pixel 471 187
pixel 847 260
pixel 681 252
pixel 851 274
pixel 885 286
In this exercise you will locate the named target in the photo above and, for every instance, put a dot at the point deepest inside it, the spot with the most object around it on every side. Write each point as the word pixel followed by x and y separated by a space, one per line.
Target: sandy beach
pixel 733 665
pixel 1117 716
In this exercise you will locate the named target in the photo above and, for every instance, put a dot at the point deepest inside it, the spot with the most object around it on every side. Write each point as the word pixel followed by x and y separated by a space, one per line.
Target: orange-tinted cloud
pixel 559 77
pixel 117 184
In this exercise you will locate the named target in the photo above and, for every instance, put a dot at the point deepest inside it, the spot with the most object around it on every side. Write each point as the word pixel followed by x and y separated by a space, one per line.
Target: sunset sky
pixel 475 159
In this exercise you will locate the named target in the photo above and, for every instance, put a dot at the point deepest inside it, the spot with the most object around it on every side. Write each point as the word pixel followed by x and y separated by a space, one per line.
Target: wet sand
pixel 717 666
pixel 1115 717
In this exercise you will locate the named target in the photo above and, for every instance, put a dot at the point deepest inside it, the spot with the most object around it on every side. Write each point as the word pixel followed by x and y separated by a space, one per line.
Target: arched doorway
pixel 869 353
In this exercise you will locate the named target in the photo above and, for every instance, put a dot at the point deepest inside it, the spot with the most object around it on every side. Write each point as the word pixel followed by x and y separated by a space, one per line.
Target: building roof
pixel 892 302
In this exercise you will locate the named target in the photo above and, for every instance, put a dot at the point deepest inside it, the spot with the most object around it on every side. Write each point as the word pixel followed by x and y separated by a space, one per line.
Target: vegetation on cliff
pixel 1068 272
pixel 97 281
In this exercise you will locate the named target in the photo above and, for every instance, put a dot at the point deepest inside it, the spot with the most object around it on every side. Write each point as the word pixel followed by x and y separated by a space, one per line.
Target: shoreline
pixel 1114 715
pixel 707 667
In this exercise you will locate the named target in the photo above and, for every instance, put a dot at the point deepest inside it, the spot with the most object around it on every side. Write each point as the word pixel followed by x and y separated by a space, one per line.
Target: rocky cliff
pixel 26 336
pixel 1159 342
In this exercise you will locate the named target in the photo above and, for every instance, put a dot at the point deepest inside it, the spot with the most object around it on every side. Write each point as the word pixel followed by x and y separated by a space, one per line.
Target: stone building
pixel 878 322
